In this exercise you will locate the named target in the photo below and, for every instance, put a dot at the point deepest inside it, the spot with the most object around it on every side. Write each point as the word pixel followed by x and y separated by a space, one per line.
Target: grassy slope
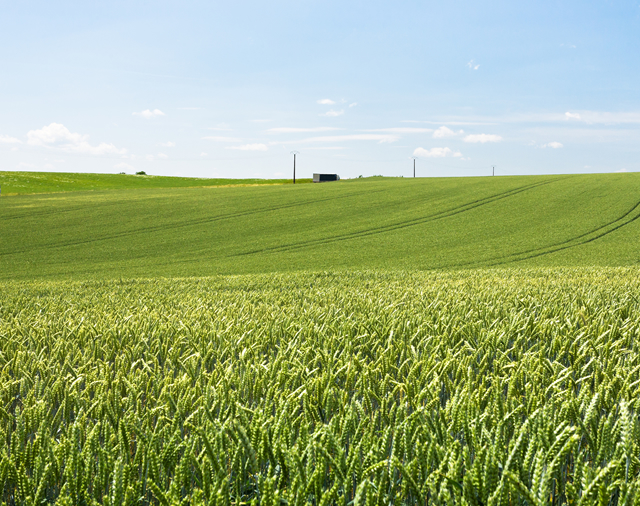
pixel 447 223
pixel 17 183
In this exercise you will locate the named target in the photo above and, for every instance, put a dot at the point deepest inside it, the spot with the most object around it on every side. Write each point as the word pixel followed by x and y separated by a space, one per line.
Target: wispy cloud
pixel 443 132
pixel 603 117
pixel 554 145
pixel 402 130
pixel 482 138
pixel 218 138
pixel 250 147
pixel 326 101
pixel 59 137
pixel 456 121
pixel 326 148
pixel 353 104
pixel 5 139
pixel 333 113
pixel 588 117
pixel 472 65
pixel 381 138
pixel 569 117
pixel 436 153
pixel 293 130
pixel 148 113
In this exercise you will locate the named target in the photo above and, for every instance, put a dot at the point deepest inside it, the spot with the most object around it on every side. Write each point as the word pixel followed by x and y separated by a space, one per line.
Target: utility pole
pixel 414 166
pixel 494 170
pixel 294 153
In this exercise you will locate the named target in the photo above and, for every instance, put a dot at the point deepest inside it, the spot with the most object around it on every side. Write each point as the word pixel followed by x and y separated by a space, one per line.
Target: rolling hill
pixel 370 223
pixel 23 183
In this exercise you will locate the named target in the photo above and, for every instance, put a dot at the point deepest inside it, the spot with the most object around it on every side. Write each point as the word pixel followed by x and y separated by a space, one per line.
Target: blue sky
pixel 229 89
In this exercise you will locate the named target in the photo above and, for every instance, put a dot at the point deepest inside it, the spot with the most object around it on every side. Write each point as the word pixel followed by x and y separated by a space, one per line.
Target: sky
pixel 231 89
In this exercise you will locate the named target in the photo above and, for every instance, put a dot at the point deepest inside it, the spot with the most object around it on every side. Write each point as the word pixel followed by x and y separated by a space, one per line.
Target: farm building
pixel 322 178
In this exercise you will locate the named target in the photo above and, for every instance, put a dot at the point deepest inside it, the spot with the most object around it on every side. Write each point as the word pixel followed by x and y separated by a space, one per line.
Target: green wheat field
pixel 369 342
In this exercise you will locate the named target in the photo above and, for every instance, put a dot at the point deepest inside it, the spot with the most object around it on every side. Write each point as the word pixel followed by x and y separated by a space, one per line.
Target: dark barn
pixel 322 178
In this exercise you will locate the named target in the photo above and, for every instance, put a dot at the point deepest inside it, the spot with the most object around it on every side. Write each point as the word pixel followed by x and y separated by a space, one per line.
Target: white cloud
pixel 123 166
pixel 436 153
pixel 168 144
pixel 54 133
pixel 603 117
pixel 5 139
pixel 333 114
pixel 473 65
pixel 291 130
pixel 58 136
pixel 217 138
pixel 149 113
pixel 482 138
pixel 554 145
pixel 353 104
pixel 403 130
pixel 326 101
pixel 443 132
pixel 162 156
pixel 250 147
pixel 204 154
pixel 381 138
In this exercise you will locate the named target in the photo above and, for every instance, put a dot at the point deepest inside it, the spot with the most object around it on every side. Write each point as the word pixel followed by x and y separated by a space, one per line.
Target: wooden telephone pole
pixel 294 153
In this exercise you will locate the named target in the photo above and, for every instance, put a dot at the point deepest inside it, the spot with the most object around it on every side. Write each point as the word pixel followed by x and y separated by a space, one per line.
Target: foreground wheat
pixel 478 388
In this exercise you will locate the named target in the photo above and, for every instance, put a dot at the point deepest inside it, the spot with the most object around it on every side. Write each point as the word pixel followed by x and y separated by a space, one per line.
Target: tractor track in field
pixel 585 238
pixel 398 225
pixel 182 224
pixel 600 231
